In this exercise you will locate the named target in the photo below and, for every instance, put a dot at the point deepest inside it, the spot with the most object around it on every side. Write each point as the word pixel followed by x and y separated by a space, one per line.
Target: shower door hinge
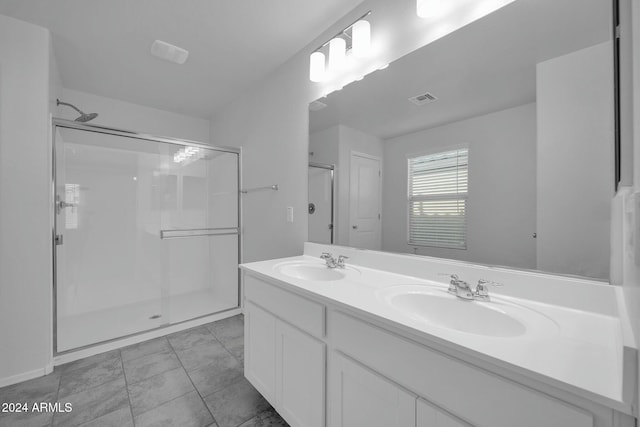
pixel 59 239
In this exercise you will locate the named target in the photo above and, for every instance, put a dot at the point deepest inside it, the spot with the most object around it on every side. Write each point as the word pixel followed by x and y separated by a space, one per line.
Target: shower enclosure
pixel 146 232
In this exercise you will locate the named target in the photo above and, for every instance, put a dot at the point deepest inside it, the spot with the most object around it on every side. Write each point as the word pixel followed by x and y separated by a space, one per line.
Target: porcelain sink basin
pixel 437 307
pixel 311 271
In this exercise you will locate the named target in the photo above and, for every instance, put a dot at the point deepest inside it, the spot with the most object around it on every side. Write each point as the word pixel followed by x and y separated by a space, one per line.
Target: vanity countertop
pixel 585 352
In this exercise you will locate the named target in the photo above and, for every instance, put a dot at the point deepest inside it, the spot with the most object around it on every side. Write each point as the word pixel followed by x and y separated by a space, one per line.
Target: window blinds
pixel 437 199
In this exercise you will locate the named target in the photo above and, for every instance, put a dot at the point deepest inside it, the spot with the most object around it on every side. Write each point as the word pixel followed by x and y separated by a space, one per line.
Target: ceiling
pixel 103 46
pixel 487 66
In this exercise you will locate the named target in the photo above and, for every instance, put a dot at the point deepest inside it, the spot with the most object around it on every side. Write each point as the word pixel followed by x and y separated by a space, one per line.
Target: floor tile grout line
pixel 161 373
pixel 194 386
pixel 126 387
pixel 57 394
pixel 100 385
pixel 143 342
pixel 224 346
pixel 86 389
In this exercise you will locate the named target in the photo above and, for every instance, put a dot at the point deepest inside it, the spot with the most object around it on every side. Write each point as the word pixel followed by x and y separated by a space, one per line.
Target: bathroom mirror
pixel 493 145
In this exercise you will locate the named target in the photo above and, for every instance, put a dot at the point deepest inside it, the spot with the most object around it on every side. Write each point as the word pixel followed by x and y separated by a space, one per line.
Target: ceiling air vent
pixel 424 98
pixel 317 106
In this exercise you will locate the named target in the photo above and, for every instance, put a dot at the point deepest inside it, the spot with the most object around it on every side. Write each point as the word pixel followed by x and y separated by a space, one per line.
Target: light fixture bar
pixel 343 32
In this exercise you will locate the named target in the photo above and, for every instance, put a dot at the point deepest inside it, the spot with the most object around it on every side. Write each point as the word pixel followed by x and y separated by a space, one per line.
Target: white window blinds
pixel 437 199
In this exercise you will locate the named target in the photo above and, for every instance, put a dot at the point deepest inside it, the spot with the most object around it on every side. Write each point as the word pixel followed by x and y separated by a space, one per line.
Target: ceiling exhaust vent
pixel 169 52
pixel 317 106
pixel 425 98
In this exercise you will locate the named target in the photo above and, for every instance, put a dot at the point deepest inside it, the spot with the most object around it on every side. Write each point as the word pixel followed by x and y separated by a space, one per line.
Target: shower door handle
pixel 59 239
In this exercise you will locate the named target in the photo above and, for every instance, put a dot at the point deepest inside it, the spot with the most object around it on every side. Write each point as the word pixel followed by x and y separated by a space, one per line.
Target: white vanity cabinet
pixel 297 347
pixel 284 363
pixel 360 397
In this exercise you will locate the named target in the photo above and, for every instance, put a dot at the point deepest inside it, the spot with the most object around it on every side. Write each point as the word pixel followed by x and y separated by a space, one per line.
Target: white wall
pixel 270 122
pixel 25 231
pixel 324 146
pixel 575 160
pixel 502 178
pixel 128 116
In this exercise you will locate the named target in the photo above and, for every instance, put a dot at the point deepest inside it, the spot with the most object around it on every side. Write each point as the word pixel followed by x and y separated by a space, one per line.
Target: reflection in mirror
pixel 493 144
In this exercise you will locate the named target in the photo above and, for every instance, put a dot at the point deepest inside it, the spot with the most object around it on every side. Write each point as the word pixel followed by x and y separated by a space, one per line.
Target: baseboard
pixel 25 376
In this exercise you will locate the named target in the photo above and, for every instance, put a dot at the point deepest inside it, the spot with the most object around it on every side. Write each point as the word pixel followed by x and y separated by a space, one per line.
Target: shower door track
pixel 70 124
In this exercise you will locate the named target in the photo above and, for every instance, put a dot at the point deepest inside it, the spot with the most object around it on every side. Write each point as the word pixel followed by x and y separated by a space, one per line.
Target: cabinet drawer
pixel 301 312
pixel 461 389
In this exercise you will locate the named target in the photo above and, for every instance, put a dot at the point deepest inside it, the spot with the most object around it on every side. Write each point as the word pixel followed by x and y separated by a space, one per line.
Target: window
pixel 437 199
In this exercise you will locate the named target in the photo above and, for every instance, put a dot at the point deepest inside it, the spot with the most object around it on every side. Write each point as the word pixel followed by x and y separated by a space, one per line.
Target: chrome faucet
pixel 332 262
pixel 482 289
pixel 461 289
pixel 340 263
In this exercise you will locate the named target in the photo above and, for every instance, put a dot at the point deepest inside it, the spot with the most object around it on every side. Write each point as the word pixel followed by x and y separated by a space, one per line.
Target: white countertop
pixel 580 349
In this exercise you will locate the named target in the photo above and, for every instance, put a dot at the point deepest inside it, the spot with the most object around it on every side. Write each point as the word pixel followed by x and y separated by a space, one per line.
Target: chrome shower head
pixel 84 117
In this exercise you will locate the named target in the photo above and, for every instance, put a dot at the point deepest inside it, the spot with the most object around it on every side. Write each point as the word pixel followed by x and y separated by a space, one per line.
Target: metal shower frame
pixel 70 124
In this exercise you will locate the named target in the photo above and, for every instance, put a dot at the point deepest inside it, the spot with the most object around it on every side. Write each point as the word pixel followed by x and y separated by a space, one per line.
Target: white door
pixel 364 202
pixel 300 373
pixel 362 398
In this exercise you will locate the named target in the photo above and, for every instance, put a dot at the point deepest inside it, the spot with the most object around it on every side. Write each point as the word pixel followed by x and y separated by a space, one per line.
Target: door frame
pixel 70 124
pixel 331 168
pixel 352 154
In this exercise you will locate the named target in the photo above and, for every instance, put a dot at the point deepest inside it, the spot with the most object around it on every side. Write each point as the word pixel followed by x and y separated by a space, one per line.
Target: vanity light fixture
pixel 352 42
pixel 337 54
pixel 361 38
pixel 316 67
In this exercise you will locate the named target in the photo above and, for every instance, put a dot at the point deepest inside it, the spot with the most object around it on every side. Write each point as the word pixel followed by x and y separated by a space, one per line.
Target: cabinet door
pixel 300 374
pixel 362 398
pixel 428 415
pixel 260 350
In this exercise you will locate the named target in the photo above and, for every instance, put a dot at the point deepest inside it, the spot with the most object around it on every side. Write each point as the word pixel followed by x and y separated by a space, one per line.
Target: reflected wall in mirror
pixel 493 144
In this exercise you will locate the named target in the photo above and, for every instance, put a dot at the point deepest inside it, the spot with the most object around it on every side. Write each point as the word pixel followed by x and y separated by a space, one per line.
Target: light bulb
pixel 337 53
pixel 361 33
pixel 316 67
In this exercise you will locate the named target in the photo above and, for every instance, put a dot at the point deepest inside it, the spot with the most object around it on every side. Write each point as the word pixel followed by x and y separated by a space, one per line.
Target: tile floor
pixel 191 378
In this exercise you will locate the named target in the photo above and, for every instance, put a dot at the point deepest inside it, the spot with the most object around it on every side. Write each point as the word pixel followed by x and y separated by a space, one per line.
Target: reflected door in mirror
pixel 364 201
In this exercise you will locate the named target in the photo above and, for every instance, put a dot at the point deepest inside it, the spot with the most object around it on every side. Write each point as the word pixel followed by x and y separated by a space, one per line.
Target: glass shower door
pixel 146 234
pixel 200 234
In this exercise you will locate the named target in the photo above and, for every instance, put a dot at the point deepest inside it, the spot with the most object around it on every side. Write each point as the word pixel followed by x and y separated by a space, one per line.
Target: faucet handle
pixel 341 259
pixel 482 291
pixel 453 283
pixel 483 282
pixel 326 255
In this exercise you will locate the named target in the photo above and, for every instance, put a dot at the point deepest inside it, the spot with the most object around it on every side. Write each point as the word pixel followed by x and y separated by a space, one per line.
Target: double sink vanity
pixel 380 339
